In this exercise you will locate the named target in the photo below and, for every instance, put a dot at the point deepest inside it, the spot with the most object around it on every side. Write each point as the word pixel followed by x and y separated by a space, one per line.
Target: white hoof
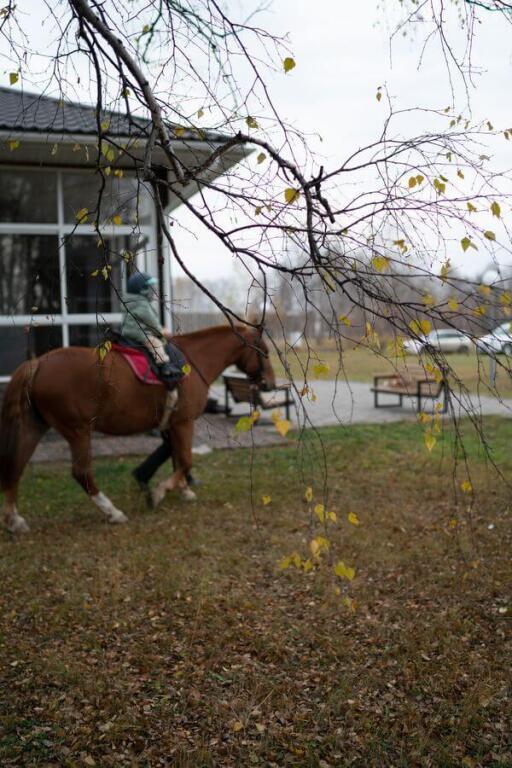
pixel 157 496
pixel 18 525
pixel 188 494
pixel 116 517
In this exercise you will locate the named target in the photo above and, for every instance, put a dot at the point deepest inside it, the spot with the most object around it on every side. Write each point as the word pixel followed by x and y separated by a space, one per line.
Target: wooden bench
pixel 243 390
pixel 413 382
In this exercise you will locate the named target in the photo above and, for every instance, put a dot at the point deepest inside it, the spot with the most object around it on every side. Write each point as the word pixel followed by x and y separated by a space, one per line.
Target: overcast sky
pixel 342 55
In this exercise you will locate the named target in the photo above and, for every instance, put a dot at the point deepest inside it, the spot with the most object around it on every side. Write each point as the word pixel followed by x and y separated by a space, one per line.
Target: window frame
pixel 146 259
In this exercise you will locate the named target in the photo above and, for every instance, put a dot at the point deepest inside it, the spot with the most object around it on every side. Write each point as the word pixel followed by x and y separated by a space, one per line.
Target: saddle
pixel 141 361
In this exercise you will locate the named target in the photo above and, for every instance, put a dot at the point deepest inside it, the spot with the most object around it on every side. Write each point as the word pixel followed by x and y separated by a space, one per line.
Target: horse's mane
pixel 213 331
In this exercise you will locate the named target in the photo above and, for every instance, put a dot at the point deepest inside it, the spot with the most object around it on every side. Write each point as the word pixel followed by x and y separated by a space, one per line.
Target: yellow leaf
pixel 119 173
pixel 506 298
pixel 402 245
pixel 200 113
pixel 452 523
pixel 420 327
pixel 466 243
pixel 420 179
pixel 353 518
pixel 439 186
pixel 309 494
pixel 481 310
pixel 103 349
pixel 412 182
pixel 82 215
pixel 13 77
pixel 460 174
pixel 291 195
pixel 307 566
pixel 186 369
pixel 349 603
pixel 251 122
pixel 344 319
pixel 261 158
pixel 332 517
pixel 378 96
pixel 266 500
pixel 319 369
pixel 179 131
pixel 485 290
pixel 430 441
pixel 466 487
pixel 318 545
pixel 14 144
pixel 245 423
pixel 344 571
pixel 95 273
pixel 237 726
pixel 380 263
pixel 453 304
pixel 495 209
pixel 283 426
pixel 445 269
pixel 117 220
pixel 471 207
pixel 424 418
pixel 288 64
pixel 429 300
pixel 320 512
pixel 489 235
pixel 105 271
pixel 107 170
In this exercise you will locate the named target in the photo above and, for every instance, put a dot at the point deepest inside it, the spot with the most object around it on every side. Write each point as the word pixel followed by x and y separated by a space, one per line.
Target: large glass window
pixel 17 343
pixel 96 279
pixel 54 288
pixel 29 274
pixel 28 196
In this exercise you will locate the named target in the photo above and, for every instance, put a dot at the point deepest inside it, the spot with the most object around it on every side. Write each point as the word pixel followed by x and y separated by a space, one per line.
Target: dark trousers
pixel 145 471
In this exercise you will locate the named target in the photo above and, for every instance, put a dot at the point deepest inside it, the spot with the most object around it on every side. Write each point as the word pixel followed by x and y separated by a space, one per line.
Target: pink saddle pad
pixel 139 364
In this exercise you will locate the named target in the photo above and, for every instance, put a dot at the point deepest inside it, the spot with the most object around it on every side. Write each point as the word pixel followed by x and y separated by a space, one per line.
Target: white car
pixel 498 342
pixel 442 340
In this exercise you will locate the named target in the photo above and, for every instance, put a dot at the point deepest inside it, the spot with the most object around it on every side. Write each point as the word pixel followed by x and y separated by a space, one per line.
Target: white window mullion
pixel 62 262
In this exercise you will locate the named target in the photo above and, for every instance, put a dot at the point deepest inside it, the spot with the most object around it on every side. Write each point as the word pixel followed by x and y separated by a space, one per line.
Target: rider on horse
pixel 142 326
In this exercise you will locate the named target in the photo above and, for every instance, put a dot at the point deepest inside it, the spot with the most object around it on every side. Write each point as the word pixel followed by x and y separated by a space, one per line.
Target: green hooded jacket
pixel 140 318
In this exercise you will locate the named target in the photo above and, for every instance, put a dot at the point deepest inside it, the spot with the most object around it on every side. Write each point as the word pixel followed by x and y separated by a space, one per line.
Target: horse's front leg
pixel 181 436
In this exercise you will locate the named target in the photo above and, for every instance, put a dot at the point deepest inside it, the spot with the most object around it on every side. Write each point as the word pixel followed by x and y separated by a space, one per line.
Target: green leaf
pixel 251 122
pixel 13 77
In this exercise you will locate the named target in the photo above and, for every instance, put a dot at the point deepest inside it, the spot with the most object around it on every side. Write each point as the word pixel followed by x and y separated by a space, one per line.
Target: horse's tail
pixel 16 409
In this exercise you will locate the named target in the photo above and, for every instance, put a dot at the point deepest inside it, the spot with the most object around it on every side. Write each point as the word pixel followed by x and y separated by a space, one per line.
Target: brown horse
pixel 74 392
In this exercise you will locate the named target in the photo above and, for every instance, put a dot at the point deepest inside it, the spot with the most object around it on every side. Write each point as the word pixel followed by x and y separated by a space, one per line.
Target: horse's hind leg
pixel 30 435
pixel 80 445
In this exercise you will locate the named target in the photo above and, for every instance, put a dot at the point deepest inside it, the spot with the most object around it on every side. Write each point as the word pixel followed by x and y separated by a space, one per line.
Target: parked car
pixel 498 342
pixel 442 340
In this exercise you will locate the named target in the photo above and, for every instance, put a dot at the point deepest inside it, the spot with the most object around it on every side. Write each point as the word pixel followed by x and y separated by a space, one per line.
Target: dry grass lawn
pixel 177 641
pixel 361 364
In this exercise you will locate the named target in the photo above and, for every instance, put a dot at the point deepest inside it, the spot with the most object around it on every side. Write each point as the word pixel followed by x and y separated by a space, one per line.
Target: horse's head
pixel 254 360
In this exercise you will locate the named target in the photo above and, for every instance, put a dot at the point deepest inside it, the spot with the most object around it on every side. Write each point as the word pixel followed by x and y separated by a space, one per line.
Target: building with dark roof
pixel 58 286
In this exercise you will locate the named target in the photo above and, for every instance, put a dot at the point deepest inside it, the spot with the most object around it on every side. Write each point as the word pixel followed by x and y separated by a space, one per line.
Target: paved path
pixel 336 403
